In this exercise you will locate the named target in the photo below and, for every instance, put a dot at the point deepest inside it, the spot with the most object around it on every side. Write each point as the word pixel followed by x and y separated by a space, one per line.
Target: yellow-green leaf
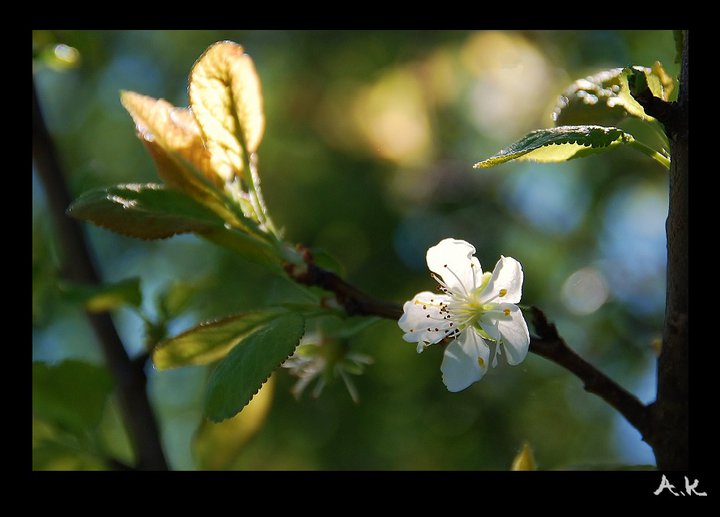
pixel 604 98
pixel 71 394
pixel 559 144
pixel 524 459
pixel 103 297
pixel 216 446
pixel 210 341
pixel 226 99
pixel 661 84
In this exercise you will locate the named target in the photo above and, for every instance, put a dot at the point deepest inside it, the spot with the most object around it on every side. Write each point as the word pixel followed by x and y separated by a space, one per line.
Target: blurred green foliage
pixel 368 153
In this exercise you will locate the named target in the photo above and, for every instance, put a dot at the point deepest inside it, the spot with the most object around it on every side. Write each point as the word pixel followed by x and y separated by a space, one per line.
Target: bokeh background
pixel 367 154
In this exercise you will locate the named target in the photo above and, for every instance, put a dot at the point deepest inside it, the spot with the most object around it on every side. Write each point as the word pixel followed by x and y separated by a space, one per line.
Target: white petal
pixel 453 261
pixel 488 322
pixel 505 285
pixel 422 320
pixel 515 335
pixel 465 360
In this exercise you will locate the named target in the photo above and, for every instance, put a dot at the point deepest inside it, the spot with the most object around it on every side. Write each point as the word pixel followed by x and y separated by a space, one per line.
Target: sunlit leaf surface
pixel 226 98
pixel 559 144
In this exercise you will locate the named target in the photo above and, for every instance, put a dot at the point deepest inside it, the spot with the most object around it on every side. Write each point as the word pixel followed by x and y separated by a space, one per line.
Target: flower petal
pixel 465 360
pixel 453 261
pixel 422 320
pixel 505 285
pixel 515 335
pixel 488 322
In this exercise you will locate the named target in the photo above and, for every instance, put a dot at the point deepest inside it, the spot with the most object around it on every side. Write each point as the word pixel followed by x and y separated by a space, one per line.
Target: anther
pixel 503 292
pixel 506 312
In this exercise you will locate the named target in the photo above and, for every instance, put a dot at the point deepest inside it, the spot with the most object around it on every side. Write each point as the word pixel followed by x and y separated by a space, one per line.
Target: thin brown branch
pixel 547 343
pixel 354 301
pixel 78 266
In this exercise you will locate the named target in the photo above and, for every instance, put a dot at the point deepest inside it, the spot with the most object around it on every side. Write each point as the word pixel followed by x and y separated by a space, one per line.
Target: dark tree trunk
pixel 78 266
pixel 669 413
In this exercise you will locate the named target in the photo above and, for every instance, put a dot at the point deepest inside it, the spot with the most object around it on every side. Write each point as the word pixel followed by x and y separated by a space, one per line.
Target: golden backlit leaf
pixel 524 459
pixel 170 132
pixel 211 340
pixel 665 82
pixel 216 446
pixel 226 100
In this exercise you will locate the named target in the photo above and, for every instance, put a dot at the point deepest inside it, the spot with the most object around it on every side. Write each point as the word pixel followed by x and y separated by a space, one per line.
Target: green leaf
pixel 604 98
pixel 176 298
pixel 559 144
pixel 145 211
pixel 249 247
pixel 657 81
pixel 104 297
pixel 71 394
pixel 210 341
pixel 52 449
pixel 241 374
pixel 152 211
pixel 217 446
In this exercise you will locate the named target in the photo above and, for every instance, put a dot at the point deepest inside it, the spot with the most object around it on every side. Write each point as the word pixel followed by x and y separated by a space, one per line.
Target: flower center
pixel 464 309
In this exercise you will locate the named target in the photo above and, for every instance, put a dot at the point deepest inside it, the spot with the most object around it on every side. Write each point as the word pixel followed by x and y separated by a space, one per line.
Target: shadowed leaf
pixel 71 394
pixel 152 211
pixel 216 446
pixel 55 450
pixel 239 376
pixel 145 211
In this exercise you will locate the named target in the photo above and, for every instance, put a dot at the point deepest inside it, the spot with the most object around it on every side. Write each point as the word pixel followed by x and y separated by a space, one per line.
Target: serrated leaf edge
pixel 264 380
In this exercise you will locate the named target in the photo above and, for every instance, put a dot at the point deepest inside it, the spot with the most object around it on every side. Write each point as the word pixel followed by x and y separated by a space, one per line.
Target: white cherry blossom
pixel 476 313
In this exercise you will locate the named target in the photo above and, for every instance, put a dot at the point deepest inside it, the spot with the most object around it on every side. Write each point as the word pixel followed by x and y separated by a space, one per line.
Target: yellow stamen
pixel 481 362
pixel 503 292
pixel 506 312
